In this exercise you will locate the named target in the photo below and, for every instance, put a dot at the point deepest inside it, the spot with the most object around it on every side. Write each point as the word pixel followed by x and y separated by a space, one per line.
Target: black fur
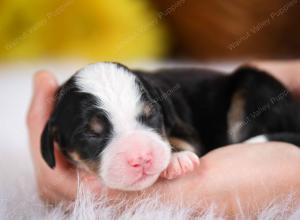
pixel 198 110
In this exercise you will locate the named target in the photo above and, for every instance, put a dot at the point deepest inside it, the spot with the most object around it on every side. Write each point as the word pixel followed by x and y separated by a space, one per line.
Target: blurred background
pixel 64 35
pixel 126 30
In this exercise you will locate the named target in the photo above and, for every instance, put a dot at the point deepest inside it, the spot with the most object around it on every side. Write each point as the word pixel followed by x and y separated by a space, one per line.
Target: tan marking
pixel 96 126
pixel 147 110
pixel 75 156
pixel 235 116
pixel 180 144
pixel 89 166
pixel 92 166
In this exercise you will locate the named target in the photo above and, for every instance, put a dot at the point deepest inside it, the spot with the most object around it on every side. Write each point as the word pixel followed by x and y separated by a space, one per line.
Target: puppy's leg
pixel 182 161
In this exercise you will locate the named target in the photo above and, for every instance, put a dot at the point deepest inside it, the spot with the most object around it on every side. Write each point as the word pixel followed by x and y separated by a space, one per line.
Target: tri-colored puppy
pixel 130 127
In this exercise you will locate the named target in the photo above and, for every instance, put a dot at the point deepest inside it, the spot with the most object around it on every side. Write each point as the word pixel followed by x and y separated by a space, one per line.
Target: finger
pixel 286 72
pixel 91 183
pixel 45 86
pixel 58 183
pixel 77 182
pixel 71 187
pixel 61 163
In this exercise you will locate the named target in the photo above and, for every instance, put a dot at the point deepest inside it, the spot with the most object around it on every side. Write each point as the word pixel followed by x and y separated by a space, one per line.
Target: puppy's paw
pixel 180 164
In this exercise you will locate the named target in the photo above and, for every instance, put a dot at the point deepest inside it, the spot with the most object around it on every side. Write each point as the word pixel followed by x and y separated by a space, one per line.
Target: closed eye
pixel 92 135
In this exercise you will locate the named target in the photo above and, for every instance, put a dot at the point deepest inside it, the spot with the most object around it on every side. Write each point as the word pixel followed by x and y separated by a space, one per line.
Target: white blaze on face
pixel 136 155
pixel 116 90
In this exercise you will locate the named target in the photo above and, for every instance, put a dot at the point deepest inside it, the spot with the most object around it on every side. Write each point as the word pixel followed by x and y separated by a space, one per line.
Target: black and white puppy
pixel 130 127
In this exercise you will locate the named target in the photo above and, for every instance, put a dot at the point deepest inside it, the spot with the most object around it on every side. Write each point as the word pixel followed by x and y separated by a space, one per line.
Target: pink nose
pixel 140 161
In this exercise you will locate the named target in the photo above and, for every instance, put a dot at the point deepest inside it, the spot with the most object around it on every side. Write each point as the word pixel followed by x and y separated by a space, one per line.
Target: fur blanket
pixel 18 195
pixel 19 200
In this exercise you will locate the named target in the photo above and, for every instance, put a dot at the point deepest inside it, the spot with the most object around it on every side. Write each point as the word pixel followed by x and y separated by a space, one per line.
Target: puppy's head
pixel 106 122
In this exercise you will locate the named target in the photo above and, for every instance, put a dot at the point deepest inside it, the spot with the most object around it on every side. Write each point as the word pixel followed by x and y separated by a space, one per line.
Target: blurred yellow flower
pixel 96 30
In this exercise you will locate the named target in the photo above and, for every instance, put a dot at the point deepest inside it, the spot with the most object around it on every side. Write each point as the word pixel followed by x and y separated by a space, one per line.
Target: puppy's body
pixel 211 109
pixel 130 126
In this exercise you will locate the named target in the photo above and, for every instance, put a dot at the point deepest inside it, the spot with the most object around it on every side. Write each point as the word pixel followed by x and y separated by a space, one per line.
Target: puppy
pixel 131 127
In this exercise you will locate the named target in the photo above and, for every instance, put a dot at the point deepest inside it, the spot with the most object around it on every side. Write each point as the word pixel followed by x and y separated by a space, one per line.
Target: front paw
pixel 180 164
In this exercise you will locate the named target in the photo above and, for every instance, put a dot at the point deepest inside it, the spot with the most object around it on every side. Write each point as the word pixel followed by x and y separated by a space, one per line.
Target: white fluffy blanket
pixel 18 196
pixel 19 200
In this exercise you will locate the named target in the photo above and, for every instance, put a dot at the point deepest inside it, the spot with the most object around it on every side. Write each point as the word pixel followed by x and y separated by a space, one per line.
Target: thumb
pixel 45 86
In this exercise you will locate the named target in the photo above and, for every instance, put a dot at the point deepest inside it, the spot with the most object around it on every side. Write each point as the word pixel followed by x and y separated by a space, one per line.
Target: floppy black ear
pixel 173 123
pixel 47 145
pixel 153 89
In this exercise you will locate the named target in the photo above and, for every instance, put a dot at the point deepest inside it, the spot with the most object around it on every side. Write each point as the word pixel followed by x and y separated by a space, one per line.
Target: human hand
pixel 61 183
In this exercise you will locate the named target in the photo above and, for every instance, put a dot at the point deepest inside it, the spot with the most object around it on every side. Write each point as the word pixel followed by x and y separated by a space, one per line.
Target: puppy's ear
pixel 173 123
pixel 47 144
pixel 153 89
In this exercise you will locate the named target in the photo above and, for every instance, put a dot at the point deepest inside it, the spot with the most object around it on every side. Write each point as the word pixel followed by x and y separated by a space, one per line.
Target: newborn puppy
pixel 130 127
pixel 106 121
